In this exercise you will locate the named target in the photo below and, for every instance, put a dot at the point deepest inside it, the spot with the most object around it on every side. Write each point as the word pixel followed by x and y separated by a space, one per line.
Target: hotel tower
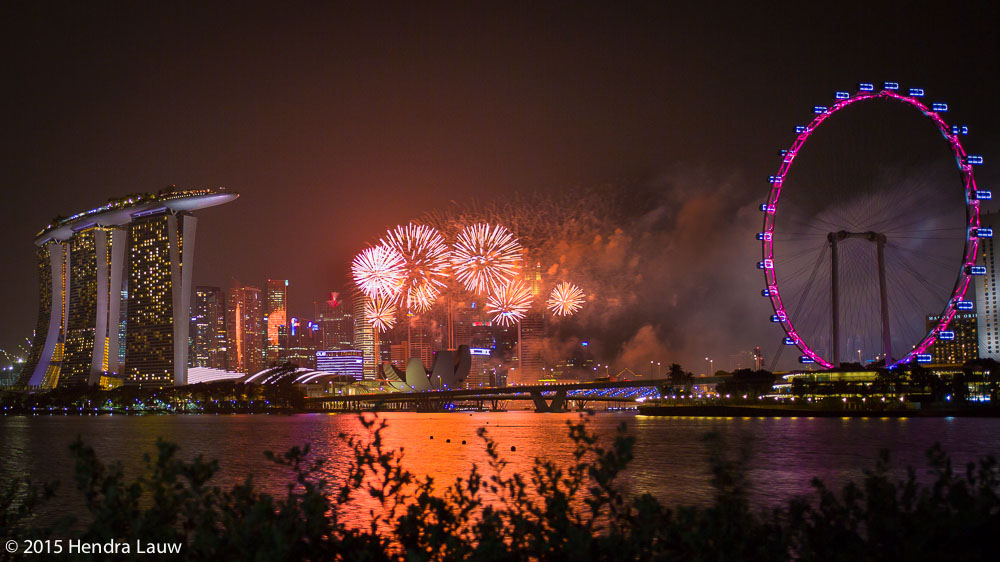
pixel 115 291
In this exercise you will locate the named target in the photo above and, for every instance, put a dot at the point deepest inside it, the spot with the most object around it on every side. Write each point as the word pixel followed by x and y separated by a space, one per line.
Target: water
pixel 670 452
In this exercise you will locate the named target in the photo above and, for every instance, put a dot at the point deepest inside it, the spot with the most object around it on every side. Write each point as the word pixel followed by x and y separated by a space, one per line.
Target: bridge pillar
pixel 557 404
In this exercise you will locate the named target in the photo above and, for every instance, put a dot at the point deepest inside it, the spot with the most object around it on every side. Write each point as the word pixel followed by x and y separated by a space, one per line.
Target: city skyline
pixel 659 111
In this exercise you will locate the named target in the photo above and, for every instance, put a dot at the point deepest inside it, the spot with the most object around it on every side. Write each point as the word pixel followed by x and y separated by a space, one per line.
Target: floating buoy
pixel 513 448
pixel 432 437
pixel 447 440
pixel 463 441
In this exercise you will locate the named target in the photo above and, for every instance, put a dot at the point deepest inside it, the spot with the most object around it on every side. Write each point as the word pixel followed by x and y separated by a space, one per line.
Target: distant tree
pixel 749 382
pixel 678 376
pixel 799 387
pixel 850 367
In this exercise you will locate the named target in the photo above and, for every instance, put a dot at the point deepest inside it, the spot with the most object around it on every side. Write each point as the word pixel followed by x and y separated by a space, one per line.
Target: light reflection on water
pixel 670 453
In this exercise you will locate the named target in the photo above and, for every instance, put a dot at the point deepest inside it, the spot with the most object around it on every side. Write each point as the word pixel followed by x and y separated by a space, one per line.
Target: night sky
pixel 334 122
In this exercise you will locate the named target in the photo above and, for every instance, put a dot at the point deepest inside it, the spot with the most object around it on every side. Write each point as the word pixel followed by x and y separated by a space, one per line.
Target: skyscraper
pixel 364 335
pixel 531 340
pixel 140 246
pixel 988 327
pixel 276 346
pixel 159 279
pixel 45 357
pixel 208 328
pixel 304 339
pixel 245 328
pixel 336 322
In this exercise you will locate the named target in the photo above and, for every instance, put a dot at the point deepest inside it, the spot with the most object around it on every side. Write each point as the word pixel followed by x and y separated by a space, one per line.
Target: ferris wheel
pixel 853 265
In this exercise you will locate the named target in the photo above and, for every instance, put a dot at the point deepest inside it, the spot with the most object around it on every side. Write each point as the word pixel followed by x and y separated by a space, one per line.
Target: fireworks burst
pixel 425 259
pixel 381 313
pixel 565 299
pixel 509 303
pixel 378 272
pixel 486 258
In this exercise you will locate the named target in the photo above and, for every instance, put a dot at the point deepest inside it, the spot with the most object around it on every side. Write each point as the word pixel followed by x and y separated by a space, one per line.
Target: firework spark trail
pixel 425 261
pixel 486 257
pixel 381 313
pixel 378 272
pixel 565 299
pixel 509 303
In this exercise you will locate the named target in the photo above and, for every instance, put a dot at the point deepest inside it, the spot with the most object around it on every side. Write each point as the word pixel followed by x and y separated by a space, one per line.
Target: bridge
pixel 544 397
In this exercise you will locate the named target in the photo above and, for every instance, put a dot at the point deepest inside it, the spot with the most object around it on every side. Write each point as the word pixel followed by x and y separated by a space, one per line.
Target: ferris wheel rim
pixel 769 208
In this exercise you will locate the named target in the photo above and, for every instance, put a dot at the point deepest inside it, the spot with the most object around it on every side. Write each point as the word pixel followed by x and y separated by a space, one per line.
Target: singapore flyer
pixel 870 238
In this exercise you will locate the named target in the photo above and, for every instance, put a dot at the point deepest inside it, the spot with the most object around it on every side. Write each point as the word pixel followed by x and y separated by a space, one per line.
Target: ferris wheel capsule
pixel 789 341
pixel 939 107
pixel 982 195
pixel 916 92
pixel 924 358
pixel 805 359
pixel 982 232
pixel 842 95
pixel 866 87
pixel 891 86
pixel 946 335
pixel 973 159
pixel 965 305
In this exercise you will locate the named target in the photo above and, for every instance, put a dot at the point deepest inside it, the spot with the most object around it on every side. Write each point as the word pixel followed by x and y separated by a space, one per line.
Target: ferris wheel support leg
pixel 883 292
pixel 835 291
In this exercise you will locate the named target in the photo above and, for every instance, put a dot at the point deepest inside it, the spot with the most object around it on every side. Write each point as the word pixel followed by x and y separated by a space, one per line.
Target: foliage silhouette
pixel 578 511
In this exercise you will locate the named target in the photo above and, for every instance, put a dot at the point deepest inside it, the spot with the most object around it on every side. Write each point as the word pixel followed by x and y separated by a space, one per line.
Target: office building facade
pixel 963 343
pixel 208 328
pixel 276 321
pixel 245 328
